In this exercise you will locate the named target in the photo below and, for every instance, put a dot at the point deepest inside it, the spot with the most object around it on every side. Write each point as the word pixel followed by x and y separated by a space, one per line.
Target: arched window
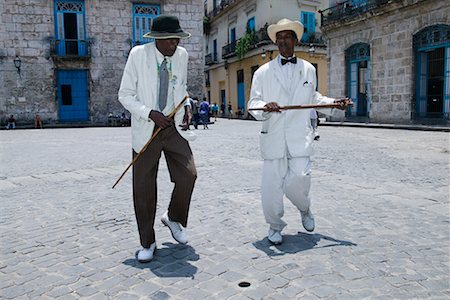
pixel 432 64
pixel 357 58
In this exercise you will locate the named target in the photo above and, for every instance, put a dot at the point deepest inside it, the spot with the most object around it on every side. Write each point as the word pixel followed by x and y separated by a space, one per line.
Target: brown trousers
pixel 183 174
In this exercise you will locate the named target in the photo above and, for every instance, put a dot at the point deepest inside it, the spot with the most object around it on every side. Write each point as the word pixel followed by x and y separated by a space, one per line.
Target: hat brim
pixel 294 26
pixel 167 35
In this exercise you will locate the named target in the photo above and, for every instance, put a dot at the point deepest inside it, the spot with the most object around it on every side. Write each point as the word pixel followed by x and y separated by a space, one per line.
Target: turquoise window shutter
pixel 308 20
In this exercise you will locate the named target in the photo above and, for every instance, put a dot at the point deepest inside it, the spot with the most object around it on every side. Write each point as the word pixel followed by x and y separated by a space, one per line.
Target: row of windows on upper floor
pixel 308 19
pixel 70 29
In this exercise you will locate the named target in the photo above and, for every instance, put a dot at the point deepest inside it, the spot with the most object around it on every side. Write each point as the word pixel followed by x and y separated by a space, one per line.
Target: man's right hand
pixel 272 107
pixel 160 119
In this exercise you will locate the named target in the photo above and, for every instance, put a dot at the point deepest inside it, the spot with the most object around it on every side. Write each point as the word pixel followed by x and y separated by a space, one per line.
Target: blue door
pixel 72 93
pixel 241 91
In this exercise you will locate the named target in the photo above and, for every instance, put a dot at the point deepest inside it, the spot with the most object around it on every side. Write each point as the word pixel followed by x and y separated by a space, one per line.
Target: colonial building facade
pixel 391 57
pixel 63 59
pixel 236 44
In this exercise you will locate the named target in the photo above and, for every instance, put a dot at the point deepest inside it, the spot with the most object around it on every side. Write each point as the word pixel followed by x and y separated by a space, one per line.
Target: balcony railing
pixel 229 50
pixel 222 6
pixel 349 9
pixel 209 59
pixel 70 48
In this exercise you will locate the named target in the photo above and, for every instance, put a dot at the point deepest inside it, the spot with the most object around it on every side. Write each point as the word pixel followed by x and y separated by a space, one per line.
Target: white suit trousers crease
pixel 285 176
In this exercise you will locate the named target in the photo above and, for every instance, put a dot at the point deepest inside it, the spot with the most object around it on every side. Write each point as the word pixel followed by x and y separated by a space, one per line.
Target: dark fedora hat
pixel 166 27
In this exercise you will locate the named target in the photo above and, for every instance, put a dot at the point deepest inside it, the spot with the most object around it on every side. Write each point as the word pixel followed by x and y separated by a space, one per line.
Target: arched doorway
pixel 432 54
pixel 357 59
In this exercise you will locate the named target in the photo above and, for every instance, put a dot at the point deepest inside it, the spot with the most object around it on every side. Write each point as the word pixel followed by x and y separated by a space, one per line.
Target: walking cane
pixel 289 107
pixel 172 114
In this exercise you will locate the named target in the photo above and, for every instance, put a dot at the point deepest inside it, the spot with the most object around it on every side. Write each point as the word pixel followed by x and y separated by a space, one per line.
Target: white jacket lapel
pixel 278 73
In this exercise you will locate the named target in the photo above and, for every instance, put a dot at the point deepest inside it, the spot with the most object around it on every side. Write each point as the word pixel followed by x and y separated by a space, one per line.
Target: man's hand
pixel 187 118
pixel 272 107
pixel 160 120
pixel 344 103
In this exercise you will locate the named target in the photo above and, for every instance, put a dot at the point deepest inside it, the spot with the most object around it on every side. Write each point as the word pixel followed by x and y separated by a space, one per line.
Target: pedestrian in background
pixel 230 111
pixel 215 111
pixel 153 84
pixel 286 136
pixel 195 112
pixel 204 114
pixel 314 115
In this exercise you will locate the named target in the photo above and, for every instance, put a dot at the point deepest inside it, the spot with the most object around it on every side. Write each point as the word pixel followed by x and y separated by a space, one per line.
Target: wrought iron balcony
pixel 229 50
pixel 70 48
pixel 349 9
pixel 224 4
pixel 209 59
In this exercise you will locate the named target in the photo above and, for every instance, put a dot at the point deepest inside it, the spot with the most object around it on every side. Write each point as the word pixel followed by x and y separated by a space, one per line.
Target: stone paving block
pixel 368 233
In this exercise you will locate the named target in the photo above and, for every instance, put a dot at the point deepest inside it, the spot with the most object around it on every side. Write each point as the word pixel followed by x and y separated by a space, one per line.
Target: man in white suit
pixel 153 84
pixel 286 137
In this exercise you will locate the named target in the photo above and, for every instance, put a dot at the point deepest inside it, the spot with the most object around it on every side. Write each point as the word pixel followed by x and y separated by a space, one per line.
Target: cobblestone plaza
pixel 380 198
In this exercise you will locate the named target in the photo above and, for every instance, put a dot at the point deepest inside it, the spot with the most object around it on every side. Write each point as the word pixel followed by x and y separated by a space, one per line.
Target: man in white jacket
pixel 286 137
pixel 153 84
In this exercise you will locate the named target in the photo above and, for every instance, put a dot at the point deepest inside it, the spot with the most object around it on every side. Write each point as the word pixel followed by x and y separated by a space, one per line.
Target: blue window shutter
pixel 308 20
pixel 251 24
pixel 232 35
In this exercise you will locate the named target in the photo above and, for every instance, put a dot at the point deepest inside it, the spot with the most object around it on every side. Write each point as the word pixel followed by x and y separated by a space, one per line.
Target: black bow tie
pixel 292 60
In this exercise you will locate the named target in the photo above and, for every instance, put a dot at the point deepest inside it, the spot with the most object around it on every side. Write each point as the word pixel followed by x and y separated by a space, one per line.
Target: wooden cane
pixel 174 111
pixel 288 107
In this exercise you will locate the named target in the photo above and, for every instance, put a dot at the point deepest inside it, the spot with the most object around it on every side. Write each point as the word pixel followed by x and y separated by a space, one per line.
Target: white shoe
pixel 275 236
pixel 145 255
pixel 178 233
pixel 308 220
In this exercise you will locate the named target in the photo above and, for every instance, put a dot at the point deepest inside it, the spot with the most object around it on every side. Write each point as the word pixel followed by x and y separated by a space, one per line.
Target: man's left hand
pixel 344 103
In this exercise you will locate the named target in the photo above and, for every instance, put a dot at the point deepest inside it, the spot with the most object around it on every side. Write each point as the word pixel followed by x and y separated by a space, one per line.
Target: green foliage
pixel 245 43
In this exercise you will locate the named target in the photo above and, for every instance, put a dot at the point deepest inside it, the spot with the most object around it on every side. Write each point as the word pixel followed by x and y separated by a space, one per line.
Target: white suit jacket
pixel 289 131
pixel 138 91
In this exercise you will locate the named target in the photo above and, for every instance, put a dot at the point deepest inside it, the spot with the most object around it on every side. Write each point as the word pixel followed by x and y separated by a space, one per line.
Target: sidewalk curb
pixel 388 126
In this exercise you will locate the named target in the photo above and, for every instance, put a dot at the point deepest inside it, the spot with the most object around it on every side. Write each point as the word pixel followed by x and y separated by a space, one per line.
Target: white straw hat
pixel 285 24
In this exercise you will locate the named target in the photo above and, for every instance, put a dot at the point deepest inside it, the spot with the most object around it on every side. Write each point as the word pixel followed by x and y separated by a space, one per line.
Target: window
pixel 143 15
pixel 253 69
pixel 232 35
pixel 215 50
pixel 69 28
pixel 251 24
pixel 308 20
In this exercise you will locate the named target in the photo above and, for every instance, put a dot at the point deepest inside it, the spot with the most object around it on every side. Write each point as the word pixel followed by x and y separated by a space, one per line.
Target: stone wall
pixel 26 28
pixel 390 36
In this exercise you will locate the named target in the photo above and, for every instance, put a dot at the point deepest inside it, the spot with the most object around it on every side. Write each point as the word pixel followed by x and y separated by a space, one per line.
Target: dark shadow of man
pixel 170 261
pixel 299 242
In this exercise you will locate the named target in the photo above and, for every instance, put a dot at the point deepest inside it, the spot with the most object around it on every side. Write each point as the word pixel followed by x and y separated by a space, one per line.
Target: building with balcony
pixel 236 44
pixel 63 59
pixel 391 57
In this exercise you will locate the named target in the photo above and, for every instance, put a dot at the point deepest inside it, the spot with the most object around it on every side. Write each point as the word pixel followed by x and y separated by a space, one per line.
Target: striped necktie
pixel 163 85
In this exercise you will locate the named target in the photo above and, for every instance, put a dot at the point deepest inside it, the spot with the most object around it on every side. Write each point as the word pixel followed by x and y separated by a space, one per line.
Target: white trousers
pixel 286 176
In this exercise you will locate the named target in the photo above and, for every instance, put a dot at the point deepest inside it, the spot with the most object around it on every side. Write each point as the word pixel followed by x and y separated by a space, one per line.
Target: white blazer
pixel 289 131
pixel 138 91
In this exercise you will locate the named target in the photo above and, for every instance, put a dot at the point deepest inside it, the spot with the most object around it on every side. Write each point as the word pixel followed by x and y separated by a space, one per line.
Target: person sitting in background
pixel 37 122
pixel 11 122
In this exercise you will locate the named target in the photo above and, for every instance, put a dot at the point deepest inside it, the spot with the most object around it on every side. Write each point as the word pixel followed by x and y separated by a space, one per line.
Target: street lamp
pixel 311 50
pixel 17 63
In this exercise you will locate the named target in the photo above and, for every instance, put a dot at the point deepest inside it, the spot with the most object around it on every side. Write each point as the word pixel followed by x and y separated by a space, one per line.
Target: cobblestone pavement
pixel 380 198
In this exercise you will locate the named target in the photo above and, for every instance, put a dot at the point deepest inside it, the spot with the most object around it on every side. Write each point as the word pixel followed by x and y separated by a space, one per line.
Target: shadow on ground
pixel 172 260
pixel 299 242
